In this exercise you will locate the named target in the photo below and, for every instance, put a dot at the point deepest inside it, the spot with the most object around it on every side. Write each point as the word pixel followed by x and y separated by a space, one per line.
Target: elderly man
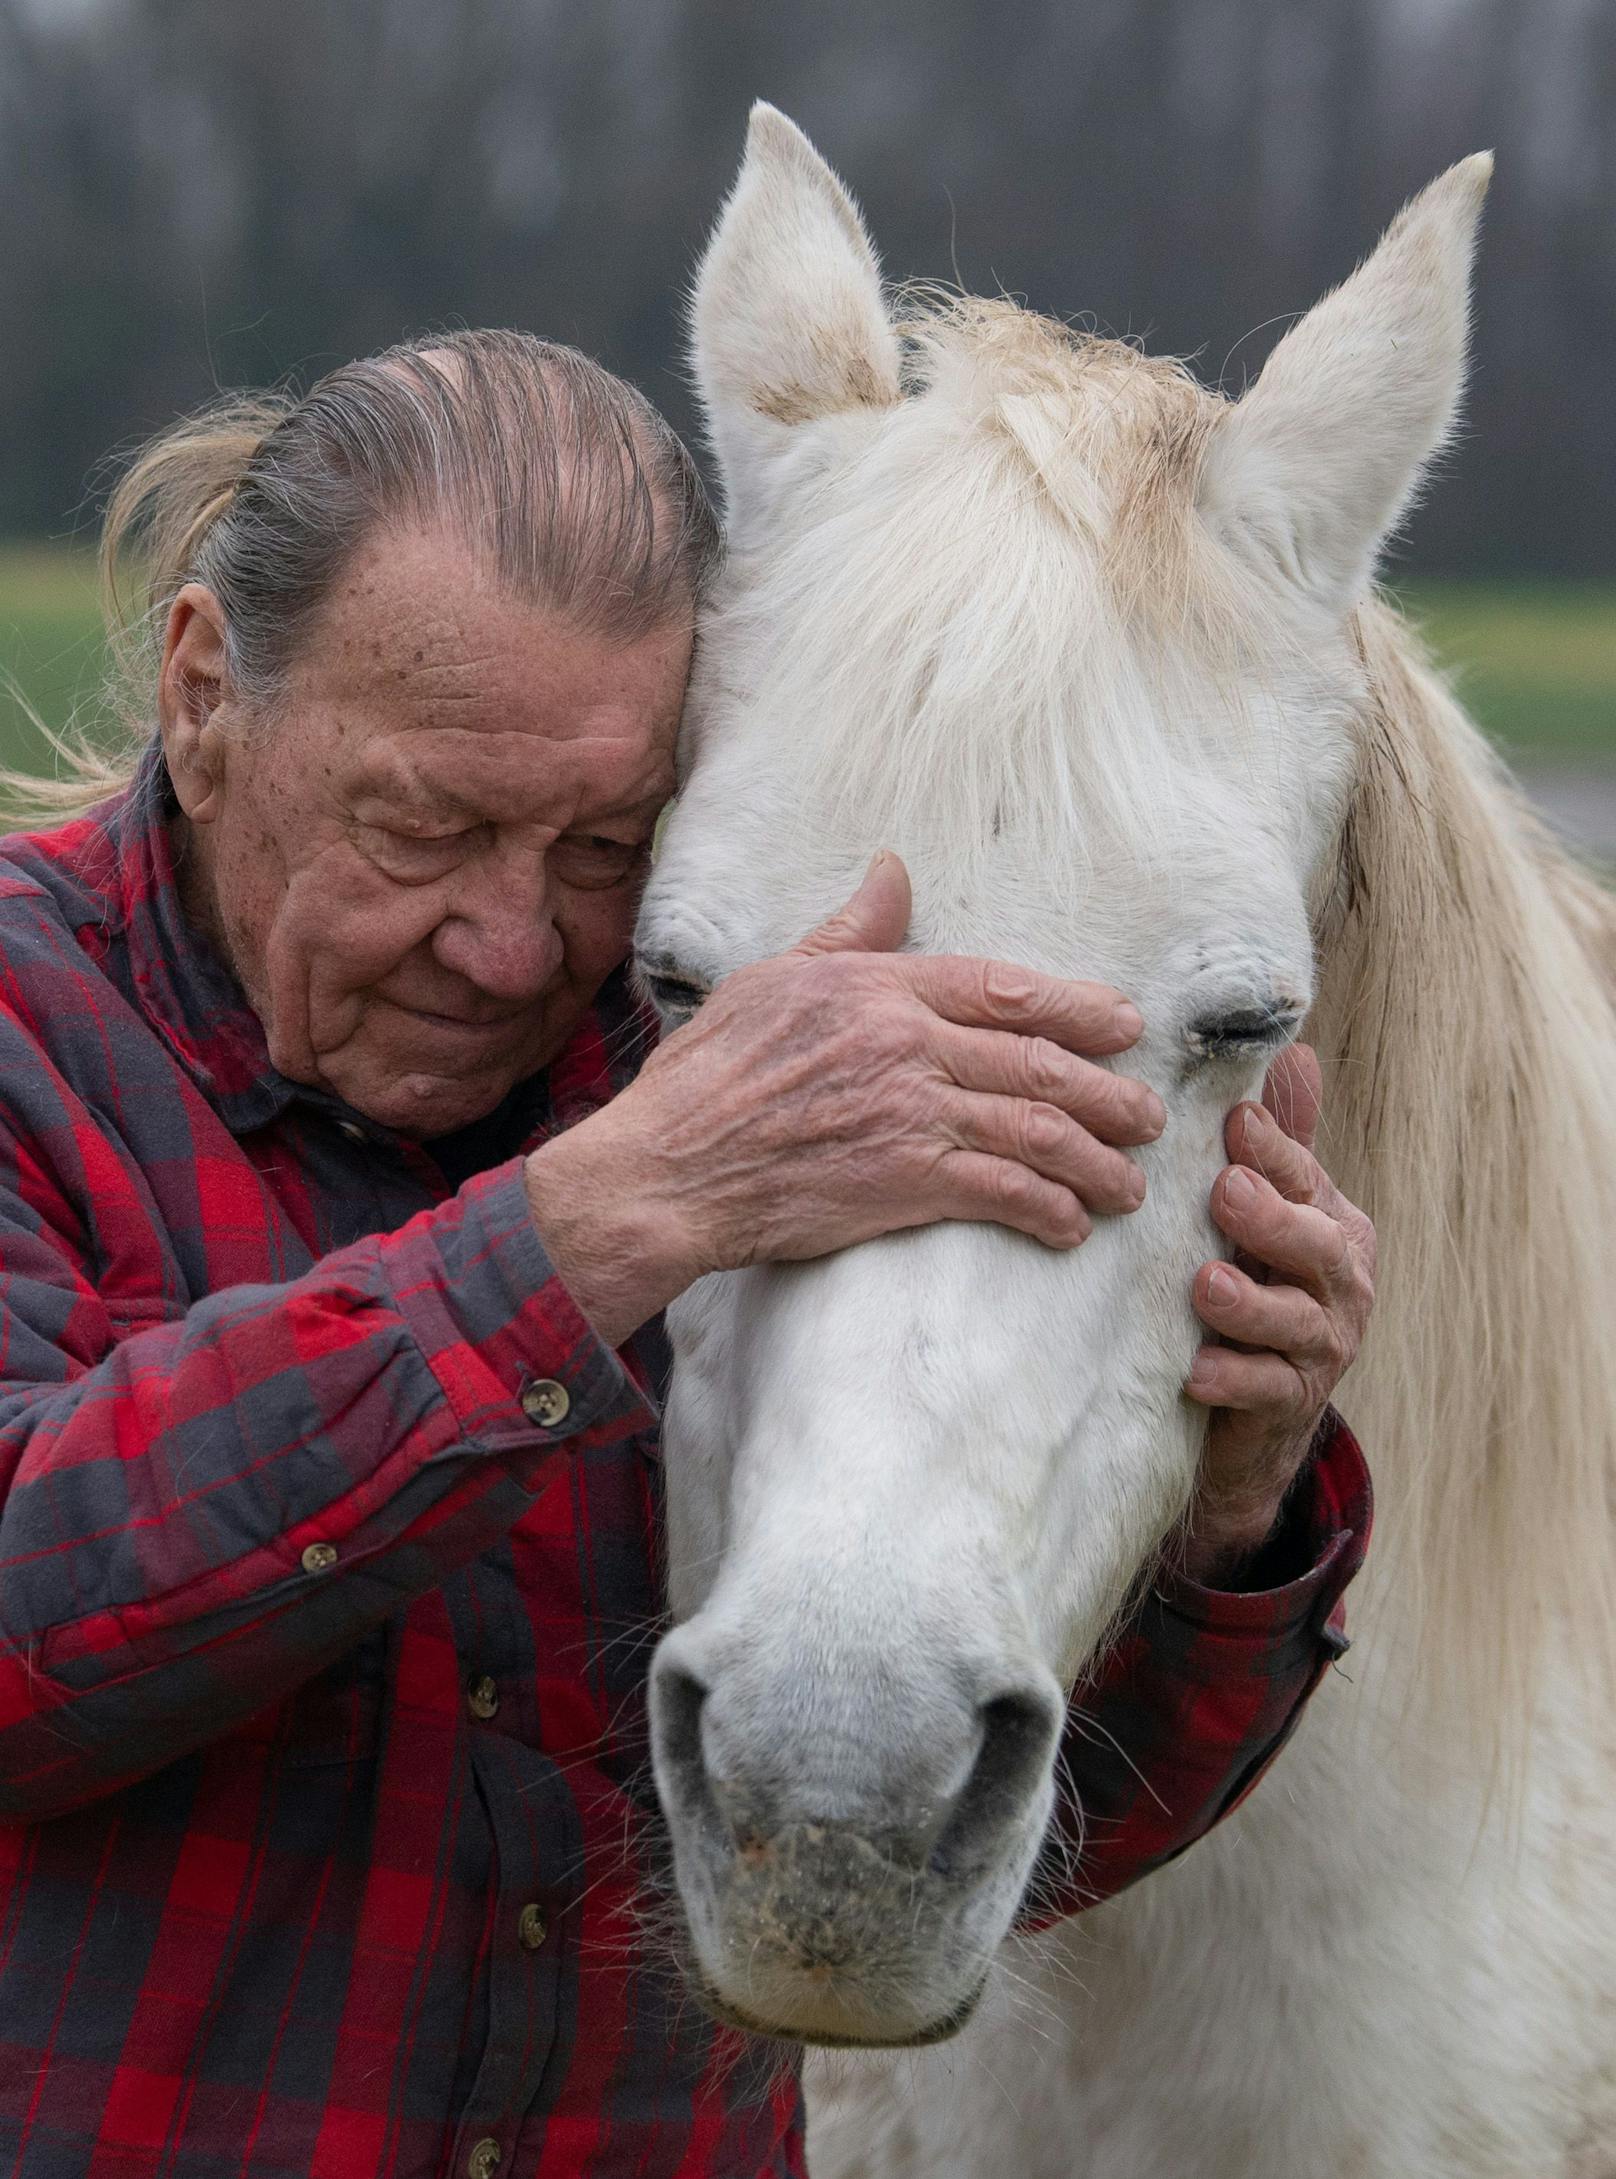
pixel 335 1217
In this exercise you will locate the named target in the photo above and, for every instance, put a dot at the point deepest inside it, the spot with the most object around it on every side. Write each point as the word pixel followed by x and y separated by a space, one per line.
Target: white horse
pixel 1096 650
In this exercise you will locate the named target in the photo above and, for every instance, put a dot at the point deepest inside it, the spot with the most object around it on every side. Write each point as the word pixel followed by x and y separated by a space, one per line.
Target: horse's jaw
pixel 895 1533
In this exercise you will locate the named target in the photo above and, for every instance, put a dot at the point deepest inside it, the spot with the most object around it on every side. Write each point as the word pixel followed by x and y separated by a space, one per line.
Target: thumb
pixel 876 917
pixel 1294 1092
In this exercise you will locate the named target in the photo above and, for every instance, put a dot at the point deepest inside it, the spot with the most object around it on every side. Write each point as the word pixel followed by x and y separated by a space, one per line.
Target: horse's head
pixel 1075 637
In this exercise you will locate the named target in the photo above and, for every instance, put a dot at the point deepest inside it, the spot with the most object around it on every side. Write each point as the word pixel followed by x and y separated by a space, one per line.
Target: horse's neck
pixel 1464 1020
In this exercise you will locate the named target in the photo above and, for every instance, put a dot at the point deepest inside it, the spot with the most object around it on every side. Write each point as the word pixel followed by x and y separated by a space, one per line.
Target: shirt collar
pixel 179 981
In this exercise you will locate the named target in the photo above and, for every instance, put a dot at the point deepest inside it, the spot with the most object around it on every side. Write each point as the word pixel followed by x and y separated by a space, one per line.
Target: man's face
pixel 426 863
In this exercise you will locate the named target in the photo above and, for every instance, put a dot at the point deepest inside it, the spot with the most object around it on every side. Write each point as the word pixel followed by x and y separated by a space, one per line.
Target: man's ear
pixel 788 324
pixel 192 685
pixel 1318 463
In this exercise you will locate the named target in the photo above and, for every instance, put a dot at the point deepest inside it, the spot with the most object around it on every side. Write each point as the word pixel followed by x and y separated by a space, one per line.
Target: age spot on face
pixel 421 996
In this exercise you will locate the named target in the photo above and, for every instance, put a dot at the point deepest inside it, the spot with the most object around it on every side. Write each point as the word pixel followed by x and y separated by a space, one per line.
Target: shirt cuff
pixel 1325 1534
pixel 517 1360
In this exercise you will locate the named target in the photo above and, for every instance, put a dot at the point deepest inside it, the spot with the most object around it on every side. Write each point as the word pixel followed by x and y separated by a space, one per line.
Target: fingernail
pixel 1220 1286
pixel 1240 1189
pixel 1128 1021
pixel 1155 1111
pixel 1201 1368
pixel 1137 1182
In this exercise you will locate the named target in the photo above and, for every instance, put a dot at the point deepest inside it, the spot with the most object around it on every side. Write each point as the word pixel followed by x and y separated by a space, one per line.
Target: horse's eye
pixel 674 996
pixel 1241 1032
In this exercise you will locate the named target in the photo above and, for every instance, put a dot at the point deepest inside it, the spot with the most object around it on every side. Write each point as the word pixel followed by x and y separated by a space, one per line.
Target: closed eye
pixel 1242 1032
pixel 675 997
pixel 416 856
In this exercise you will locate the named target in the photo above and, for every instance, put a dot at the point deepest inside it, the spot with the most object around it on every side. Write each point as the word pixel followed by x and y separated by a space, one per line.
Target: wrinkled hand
pixel 1290 1314
pixel 840 1091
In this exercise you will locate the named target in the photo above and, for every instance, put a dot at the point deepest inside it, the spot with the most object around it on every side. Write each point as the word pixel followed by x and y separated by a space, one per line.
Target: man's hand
pixel 1290 1313
pixel 840 1091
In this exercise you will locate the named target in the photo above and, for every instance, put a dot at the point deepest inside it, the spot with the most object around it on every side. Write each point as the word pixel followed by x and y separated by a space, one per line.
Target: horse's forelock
pixel 1065 466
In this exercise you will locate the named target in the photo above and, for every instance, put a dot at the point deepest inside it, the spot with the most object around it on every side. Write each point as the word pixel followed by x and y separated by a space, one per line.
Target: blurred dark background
pixel 196 193
pixel 204 193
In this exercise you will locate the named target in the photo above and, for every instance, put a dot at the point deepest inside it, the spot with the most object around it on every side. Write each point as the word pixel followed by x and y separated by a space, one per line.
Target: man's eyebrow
pixel 642 813
pixel 406 788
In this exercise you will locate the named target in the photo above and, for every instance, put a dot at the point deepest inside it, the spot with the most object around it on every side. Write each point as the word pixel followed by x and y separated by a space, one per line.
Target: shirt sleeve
pixel 1199 1693
pixel 198 1515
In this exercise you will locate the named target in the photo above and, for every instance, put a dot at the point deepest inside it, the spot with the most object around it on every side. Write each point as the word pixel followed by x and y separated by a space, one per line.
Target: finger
pixel 876 917
pixel 1294 1093
pixel 1112 1106
pixel 1255 1138
pixel 1042 1138
pixel 1083 1018
pixel 1000 1192
pixel 1296 1238
pixel 1253 1384
pixel 1285 1319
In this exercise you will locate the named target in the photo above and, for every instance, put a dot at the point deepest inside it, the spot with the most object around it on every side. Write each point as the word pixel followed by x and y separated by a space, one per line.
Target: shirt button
pixel 483 2161
pixel 319 1558
pixel 532 1926
pixel 482 1697
pixel 546 1403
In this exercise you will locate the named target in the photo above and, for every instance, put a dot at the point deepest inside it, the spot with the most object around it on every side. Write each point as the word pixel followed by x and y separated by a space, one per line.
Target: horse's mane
pixel 1464 1018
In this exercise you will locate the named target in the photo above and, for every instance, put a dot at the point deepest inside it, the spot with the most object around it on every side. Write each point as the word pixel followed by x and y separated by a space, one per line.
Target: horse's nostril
pixel 1018 1730
pixel 678 1698
pixel 837 1802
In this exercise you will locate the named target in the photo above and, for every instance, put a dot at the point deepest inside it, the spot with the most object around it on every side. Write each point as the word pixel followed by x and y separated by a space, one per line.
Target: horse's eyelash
pixel 1240 1031
pixel 675 997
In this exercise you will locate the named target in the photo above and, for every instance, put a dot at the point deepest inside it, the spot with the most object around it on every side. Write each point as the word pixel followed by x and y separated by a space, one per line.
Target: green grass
pixel 1536 662
pixel 51 656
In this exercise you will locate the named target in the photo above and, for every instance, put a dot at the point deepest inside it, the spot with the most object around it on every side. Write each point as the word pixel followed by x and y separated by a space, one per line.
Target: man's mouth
pixel 466 1025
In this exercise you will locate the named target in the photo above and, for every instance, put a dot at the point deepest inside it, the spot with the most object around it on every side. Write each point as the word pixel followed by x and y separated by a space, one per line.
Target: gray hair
pixel 563 478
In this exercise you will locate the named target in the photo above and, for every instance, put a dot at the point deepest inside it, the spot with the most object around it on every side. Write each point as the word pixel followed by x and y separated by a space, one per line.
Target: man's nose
pixel 504 940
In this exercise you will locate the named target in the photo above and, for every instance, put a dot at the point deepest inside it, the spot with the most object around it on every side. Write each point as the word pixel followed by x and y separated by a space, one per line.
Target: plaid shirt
pixel 327 1582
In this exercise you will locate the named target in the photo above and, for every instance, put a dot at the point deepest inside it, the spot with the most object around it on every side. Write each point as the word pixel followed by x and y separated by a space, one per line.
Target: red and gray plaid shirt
pixel 327 1584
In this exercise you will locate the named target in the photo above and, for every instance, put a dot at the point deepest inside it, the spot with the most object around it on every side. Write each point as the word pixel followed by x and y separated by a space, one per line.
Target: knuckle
pixel 1112 1098
pixel 1073 1223
pixel 1044 1067
pixel 1008 990
pixel 1312 1183
pixel 1302 1397
pixel 1011 1187
pixel 1044 1130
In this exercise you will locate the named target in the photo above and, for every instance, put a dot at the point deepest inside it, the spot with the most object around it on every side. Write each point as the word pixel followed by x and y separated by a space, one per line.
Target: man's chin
pixel 425 1104
pixel 426 1075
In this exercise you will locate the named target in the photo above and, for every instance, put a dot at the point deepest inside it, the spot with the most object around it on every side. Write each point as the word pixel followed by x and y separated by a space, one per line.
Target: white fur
pixel 787 311
pixel 1320 460
pixel 1014 626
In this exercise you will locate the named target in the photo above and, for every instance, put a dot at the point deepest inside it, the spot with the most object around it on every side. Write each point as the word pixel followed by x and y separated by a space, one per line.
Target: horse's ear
pixel 1321 459
pixel 787 321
